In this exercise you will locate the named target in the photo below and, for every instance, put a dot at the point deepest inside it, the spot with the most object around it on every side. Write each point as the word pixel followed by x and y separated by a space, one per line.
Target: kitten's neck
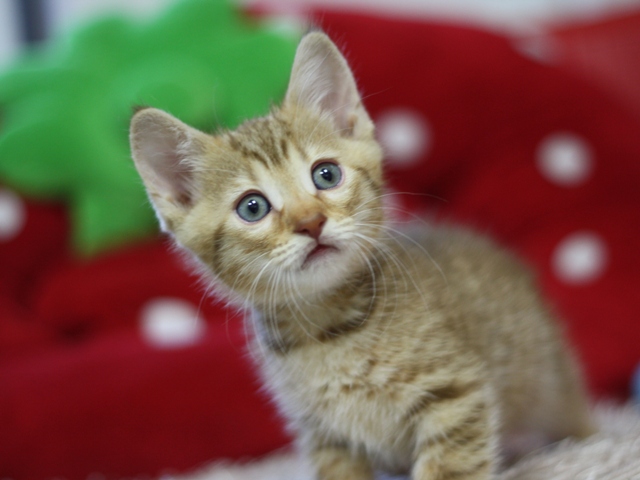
pixel 299 321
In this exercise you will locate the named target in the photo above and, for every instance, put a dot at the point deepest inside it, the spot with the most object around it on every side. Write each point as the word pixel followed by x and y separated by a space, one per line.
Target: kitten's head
pixel 288 204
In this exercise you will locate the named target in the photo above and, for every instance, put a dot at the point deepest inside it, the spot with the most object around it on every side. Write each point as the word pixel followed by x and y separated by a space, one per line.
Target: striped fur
pixel 415 354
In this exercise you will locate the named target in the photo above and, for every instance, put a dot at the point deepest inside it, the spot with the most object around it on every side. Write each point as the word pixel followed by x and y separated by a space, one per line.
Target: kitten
pixel 419 354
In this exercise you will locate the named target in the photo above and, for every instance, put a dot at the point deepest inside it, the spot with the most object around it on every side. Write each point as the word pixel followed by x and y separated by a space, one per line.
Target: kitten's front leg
pixel 456 436
pixel 335 461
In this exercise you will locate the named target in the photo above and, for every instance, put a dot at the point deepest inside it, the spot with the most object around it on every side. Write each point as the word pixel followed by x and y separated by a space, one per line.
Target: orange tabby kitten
pixel 419 354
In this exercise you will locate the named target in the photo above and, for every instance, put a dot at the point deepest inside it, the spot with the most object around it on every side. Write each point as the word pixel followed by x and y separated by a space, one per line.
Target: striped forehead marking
pixel 264 140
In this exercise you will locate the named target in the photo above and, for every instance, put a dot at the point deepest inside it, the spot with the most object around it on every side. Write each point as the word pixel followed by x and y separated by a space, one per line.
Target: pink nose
pixel 311 226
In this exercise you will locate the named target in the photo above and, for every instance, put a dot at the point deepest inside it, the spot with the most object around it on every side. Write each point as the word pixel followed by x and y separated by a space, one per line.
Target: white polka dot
pixel 171 323
pixel 405 136
pixel 539 48
pixel 580 258
pixel 12 215
pixel 565 159
pixel 290 25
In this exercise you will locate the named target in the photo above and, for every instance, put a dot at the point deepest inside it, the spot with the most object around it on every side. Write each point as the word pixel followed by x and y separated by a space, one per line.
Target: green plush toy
pixel 65 110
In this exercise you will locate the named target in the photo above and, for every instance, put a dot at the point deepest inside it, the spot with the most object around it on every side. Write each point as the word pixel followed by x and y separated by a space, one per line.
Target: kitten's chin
pixel 319 255
pixel 324 269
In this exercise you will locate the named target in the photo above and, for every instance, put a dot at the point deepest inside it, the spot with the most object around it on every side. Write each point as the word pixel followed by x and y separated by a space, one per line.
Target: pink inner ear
pixel 336 102
pixel 321 79
pixel 180 188
pixel 173 177
pixel 160 144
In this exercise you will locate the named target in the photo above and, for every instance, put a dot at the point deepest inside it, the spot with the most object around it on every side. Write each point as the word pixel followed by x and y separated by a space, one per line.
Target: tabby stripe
pixel 245 151
pixel 471 472
pixel 284 148
pixel 363 172
pixel 218 243
pixel 271 150
pixel 370 182
pixel 408 376
pixel 299 148
pixel 355 198
pixel 469 429
pixel 371 363
pixel 279 347
pixel 349 326
pixel 271 336
pixel 257 156
pixel 472 435
pixel 344 328
pixel 283 347
pixel 445 393
pixel 235 143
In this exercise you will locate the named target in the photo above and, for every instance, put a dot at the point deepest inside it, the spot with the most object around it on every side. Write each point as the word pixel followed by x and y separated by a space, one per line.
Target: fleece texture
pixel 612 454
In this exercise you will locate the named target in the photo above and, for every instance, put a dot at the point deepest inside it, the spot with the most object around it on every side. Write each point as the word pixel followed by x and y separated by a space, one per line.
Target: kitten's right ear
pixel 321 81
pixel 165 151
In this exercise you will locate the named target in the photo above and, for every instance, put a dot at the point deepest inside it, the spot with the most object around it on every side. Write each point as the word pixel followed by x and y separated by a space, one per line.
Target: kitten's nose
pixel 311 226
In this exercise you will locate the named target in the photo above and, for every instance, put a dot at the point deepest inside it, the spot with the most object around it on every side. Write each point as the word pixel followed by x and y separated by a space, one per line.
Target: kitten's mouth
pixel 319 252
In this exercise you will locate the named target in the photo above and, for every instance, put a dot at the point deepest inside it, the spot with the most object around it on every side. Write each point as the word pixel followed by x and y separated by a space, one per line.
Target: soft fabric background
pixel 114 362
pixel 612 454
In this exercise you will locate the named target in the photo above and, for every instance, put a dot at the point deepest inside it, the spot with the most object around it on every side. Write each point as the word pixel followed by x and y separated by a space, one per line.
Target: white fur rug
pixel 611 454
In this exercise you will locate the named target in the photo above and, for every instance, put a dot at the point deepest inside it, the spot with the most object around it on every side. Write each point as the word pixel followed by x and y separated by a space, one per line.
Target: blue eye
pixel 326 175
pixel 253 207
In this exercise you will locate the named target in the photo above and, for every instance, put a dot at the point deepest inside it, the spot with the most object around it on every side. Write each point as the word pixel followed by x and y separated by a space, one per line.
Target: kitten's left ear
pixel 165 151
pixel 321 80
